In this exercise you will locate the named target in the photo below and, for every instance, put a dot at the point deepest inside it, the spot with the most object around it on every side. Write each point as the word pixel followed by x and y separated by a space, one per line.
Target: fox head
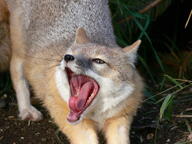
pixel 92 76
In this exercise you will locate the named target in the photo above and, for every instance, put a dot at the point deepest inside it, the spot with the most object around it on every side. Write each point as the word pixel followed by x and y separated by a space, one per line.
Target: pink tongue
pixel 82 89
pixel 77 102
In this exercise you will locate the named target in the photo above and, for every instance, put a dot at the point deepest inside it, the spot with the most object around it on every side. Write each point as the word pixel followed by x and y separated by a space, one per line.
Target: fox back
pixel 46 22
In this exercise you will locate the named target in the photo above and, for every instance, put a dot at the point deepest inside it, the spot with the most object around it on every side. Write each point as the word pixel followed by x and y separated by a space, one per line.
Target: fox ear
pixel 81 36
pixel 131 51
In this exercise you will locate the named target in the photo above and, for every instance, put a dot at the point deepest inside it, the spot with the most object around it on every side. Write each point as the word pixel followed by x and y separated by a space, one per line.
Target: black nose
pixel 68 58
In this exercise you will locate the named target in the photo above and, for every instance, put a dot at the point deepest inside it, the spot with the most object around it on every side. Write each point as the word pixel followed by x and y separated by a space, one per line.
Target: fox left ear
pixel 81 36
pixel 131 51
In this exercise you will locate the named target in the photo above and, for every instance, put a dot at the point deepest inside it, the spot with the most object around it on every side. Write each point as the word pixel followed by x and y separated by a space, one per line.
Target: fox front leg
pixel 82 134
pixel 117 130
pixel 26 110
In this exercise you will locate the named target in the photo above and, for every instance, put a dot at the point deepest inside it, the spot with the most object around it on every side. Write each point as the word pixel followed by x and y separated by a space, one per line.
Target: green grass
pixel 164 83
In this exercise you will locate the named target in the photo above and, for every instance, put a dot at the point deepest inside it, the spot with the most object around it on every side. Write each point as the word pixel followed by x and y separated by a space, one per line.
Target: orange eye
pixel 98 61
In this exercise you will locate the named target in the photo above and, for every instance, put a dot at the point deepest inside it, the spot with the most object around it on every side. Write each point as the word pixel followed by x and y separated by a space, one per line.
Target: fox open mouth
pixel 83 91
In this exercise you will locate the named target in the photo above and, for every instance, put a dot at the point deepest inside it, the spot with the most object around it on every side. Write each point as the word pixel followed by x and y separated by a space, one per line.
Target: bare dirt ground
pixel 15 131
pixel 145 129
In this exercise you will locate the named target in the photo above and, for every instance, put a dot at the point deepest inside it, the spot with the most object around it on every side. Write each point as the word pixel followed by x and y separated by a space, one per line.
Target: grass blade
pixel 166 103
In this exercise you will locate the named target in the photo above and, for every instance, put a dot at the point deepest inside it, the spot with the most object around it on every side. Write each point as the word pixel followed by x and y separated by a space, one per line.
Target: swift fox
pixel 66 51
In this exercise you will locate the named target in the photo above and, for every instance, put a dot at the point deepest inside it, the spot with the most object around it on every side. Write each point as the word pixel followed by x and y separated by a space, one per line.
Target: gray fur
pixel 83 62
pixel 55 21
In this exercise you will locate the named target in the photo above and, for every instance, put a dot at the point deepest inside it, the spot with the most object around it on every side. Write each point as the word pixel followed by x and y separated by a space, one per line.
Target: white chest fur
pixel 62 82
pixel 110 98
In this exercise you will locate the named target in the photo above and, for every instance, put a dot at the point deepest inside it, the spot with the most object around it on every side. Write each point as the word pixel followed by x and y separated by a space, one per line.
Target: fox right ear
pixel 81 36
pixel 131 51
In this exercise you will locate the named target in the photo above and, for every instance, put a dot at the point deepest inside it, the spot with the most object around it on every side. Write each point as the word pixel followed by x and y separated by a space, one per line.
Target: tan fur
pixel 35 59
pixel 78 134
pixel 48 93
pixel 135 44
pixel 125 117
pixel 4 13
pixel 20 83
pixel 112 130
pixel 81 37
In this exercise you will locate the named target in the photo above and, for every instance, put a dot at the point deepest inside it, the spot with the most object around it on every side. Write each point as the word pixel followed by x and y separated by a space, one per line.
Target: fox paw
pixel 30 113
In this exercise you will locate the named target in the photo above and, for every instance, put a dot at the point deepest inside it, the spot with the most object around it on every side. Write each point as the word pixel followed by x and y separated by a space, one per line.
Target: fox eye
pixel 98 61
